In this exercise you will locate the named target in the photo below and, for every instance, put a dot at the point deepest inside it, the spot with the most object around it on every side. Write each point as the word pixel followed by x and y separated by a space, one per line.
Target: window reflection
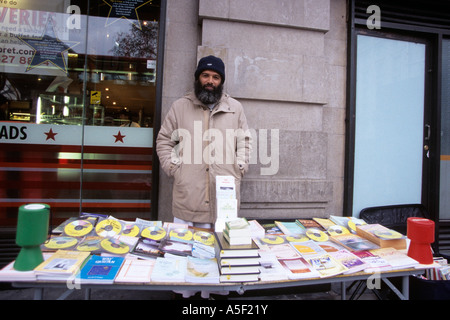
pixel 77 97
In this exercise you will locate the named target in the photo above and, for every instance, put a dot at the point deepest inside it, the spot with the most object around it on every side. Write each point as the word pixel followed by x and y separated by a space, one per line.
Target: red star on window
pixel 50 134
pixel 119 137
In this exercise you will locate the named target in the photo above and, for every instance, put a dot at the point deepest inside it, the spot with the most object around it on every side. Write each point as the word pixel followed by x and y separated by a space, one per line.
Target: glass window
pixel 390 95
pixel 78 89
pixel 444 209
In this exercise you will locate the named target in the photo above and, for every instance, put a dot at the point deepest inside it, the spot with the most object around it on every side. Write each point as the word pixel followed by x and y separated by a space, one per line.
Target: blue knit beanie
pixel 211 63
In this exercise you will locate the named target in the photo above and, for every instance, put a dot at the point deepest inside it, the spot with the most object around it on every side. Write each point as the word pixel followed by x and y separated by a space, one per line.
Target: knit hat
pixel 211 63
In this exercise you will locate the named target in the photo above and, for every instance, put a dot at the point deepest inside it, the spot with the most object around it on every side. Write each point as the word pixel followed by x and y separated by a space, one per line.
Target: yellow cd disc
pixel 182 234
pixel 388 234
pixel 60 243
pixel 272 239
pixel 108 228
pixel 316 234
pixel 78 228
pixel 297 238
pixel 130 230
pixel 337 230
pixel 204 237
pixel 154 233
pixel 352 224
pixel 114 246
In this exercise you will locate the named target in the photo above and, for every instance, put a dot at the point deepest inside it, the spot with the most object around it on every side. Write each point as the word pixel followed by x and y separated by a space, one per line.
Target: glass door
pixel 389 122
pixel 444 204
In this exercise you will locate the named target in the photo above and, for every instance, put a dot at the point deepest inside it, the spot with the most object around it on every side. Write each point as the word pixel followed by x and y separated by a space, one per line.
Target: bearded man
pixel 205 134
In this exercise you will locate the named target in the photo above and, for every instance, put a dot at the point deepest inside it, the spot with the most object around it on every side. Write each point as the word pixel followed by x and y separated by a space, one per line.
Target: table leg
pixel 405 287
pixel 343 291
pixel 38 293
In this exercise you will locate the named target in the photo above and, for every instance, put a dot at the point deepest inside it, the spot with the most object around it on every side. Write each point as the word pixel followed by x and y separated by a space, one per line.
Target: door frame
pixel 430 170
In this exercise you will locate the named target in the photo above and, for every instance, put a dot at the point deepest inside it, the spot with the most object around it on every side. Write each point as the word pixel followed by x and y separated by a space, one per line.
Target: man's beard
pixel 208 96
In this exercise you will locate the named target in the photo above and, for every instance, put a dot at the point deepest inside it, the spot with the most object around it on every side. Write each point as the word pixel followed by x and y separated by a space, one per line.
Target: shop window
pixel 78 93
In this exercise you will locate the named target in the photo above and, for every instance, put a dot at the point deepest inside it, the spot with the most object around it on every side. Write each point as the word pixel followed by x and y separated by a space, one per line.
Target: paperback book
pixel 169 269
pixel 326 265
pixel 382 236
pixel 298 268
pixel 395 258
pixel 100 269
pixel 61 265
pixel 135 271
pixel 202 270
pixel 352 262
pixel 354 242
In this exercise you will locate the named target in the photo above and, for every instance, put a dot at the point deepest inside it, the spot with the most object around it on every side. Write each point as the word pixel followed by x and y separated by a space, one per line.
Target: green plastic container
pixel 32 230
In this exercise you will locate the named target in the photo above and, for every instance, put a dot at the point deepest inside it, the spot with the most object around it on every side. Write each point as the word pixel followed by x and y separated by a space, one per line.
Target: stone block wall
pixel 286 63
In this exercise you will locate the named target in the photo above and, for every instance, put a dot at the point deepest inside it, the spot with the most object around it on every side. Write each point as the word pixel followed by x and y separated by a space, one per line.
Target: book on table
pixel 373 262
pixel 271 268
pixel 239 269
pixel 200 270
pixel 224 249
pixel 238 278
pixel 8 273
pixel 309 223
pixel 239 227
pixel 324 222
pixel 349 260
pixel 147 249
pixel 290 228
pixel 176 247
pixel 306 248
pixel 237 263
pixel 382 236
pixel 240 261
pixel 100 269
pixel 354 242
pixel 136 271
pixel 238 232
pixel 281 251
pixel 326 265
pixel 256 229
pixel 245 269
pixel 298 268
pixel 170 268
pixel 237 240
pixel 396 258
pixel 61 265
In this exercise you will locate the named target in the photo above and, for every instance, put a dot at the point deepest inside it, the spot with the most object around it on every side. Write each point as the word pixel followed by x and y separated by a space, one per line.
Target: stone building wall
pixel 286 63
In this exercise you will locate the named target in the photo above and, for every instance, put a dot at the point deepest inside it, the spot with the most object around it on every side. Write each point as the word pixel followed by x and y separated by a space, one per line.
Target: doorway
pixel 391 154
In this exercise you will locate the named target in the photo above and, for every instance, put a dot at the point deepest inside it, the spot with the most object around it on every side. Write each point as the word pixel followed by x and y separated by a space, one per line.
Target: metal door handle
pixel 428 135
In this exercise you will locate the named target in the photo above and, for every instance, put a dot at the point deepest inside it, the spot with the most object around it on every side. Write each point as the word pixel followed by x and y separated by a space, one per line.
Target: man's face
pixel 210 80
pixel 209 87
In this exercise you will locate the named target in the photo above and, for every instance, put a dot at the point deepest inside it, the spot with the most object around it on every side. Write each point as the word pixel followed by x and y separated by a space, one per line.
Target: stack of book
pixel 238 232
pixel 237 263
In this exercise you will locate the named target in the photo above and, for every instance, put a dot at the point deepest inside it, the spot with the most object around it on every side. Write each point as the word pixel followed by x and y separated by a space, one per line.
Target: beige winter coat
pixel 194 145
